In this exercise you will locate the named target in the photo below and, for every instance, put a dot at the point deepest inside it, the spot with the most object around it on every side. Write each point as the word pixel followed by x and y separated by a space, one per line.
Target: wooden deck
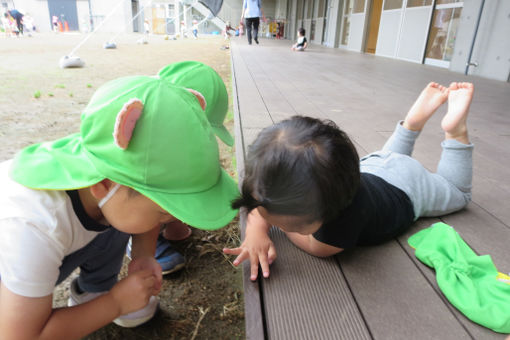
pixel 380 292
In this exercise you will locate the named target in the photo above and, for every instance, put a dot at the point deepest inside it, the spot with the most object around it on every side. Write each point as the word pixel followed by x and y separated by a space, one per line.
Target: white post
pixel 185 9
pixel 177 21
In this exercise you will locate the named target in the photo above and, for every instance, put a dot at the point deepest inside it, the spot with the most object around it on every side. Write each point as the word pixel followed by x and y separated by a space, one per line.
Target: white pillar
pixel 185 13
pixel 177 20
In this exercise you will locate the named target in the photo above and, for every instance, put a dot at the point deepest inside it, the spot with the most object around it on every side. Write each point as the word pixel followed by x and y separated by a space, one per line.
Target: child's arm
pixel 313 247
pixel 33 318
pixel 142 254
pixel 242 11
pixel 257 246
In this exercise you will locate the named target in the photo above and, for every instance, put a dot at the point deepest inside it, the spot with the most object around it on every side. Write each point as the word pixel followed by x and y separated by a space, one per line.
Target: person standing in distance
pixel 18 17
pixel 252 11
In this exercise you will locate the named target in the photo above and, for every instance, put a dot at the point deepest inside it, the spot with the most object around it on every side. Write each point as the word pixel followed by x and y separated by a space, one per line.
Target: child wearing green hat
pixel 75 201
pixel 204 79
pixel 304 176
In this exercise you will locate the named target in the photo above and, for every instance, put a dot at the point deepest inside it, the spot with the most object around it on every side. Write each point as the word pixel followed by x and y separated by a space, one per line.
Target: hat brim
pixel 208 210
pixel 56 165
pixel 223 134
pixel 63 165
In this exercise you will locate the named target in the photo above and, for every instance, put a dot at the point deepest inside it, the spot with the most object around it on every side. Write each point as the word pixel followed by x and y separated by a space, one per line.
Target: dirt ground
pixel 40 101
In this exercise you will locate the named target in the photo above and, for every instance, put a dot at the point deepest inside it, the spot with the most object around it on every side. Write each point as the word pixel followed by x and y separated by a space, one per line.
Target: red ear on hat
pixel 200 98
pixel 126 121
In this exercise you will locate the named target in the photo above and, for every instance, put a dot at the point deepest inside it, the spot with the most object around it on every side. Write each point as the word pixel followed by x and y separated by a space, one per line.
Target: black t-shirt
pixel 378 213
pixel 301 42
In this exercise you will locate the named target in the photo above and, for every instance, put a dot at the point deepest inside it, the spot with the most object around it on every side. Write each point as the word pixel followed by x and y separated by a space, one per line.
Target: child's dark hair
pixel 301 166
pixel 302 31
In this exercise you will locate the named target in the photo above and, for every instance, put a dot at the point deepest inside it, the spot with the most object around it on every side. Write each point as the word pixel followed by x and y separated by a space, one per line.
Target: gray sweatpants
pixel 432 194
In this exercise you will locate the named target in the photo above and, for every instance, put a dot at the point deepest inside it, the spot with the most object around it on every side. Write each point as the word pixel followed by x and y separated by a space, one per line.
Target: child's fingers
pixel 152 285
pixel 144 273
pixel 158 281
pixel 241 257
pixel 149 282
pixel 254 267
pixel 232 251
pixel 271 254
pixel 158 272
pixel 264 264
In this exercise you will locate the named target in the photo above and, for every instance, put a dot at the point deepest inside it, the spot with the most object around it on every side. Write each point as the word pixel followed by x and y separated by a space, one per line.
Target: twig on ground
pixel 202 314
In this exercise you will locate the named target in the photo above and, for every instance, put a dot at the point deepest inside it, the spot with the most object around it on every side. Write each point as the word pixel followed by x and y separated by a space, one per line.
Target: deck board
pixel 392 295
pixel 380 292
pixel 300 283
pixel 253 303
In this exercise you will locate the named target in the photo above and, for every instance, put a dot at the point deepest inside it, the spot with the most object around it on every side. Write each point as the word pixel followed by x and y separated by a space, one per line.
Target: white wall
pixel 281 9
pixel 120 15
pixel 333 25
pixel 414 31
pixel 291 27
pixel 307 25
pixel 492 46
pixel 389 30
pixel 356 32
pixel 82 7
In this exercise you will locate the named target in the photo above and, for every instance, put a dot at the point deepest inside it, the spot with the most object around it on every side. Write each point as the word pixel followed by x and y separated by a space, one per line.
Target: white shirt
pixel 38 228
pixel 252 8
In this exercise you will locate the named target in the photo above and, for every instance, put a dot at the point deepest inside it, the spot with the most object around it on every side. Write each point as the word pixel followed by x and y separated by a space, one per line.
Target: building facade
pixel 467 36
pixel 162 16
pixel 464 36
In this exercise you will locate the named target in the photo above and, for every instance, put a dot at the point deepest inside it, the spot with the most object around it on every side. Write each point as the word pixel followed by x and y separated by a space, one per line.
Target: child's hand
pixel 133 292
pixel 148 263
pixel 257 248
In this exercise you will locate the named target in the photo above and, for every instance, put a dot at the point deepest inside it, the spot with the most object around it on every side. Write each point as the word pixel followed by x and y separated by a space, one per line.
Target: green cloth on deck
pixel 467 280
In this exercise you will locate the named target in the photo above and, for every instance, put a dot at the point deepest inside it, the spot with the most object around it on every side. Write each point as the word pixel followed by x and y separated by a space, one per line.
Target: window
pixel 309 9
pixel 322 9
pixel 359 6
pixel 418 3
pixel 170 11
pixel 392 4
pixel 300 10
pixel 346 22
pixel 348 7
pixel 443 33
pixel 442 2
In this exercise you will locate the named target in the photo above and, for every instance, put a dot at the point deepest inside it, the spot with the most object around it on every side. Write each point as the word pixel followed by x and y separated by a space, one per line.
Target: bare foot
pixel 454 123
pixel 176 231
pixel 432 97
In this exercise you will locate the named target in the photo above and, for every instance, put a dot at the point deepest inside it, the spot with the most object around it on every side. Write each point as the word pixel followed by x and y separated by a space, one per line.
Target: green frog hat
pixel 203 78
pixel 147 134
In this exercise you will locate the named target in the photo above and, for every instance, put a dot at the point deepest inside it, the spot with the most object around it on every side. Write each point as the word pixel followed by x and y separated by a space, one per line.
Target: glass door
pixel 443 32
pixel 346 17
pixel 327 20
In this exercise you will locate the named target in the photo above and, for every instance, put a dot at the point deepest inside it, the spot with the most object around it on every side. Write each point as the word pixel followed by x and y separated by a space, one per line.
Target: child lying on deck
pixel 304 176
